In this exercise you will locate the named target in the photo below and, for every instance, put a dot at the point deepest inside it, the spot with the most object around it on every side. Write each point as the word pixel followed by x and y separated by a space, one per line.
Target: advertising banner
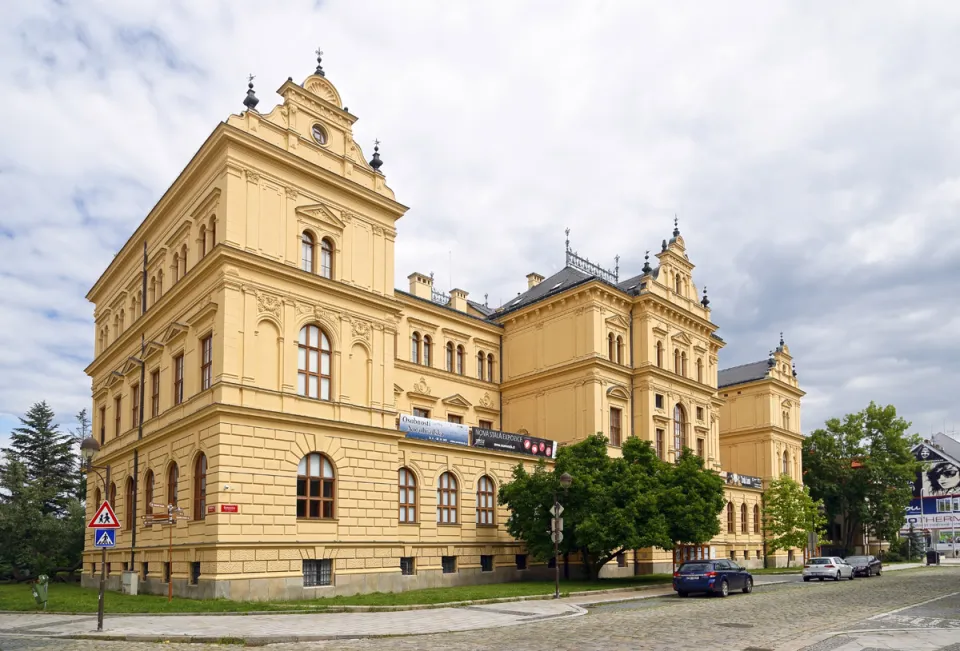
pixel 747 481
pixel 507 442
pixel 438 431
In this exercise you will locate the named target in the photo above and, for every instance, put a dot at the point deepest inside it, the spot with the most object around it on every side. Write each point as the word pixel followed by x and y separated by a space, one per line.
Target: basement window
pixel 317 572
pixel 449 564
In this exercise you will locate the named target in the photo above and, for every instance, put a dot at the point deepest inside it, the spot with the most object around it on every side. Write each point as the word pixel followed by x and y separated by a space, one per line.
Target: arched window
pixel 128 503
pixel 489 367
pixel 152 293
pixel 459 360
pixel 183 261
pixel 447 499
pixel 683 364
pixel 786 420
pixel 450 356
pixel 213 232
pixel 743 518
pixel 148 482
pixel 427 350
pixel 122 319
pixel 610 345
pixel 485 502
pixel 415 348
pixel 676 361
pixel 203 241
pixel 481 358
pixel 175 268
pixel 679 428
pixel 326 258
pixel 159 284
pixel 313 376
pixel 660 354
pixel 730 518
pixel 408 496
pixel 200 487
pixel 786 463
pixel 619 350
pixel 306 252
pixel 97 499
pixel 756 518
pixel 173 478
pixel 678 283
pixel 113 495
pixel 315 487
pixel 699 370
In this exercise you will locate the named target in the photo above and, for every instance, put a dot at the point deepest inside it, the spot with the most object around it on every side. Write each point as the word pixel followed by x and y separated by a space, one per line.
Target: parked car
pixel 827 567
pixel 865 565
pixel 716 577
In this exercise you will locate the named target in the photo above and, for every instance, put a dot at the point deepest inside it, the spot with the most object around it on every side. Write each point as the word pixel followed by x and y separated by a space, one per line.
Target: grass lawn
pixel 71 598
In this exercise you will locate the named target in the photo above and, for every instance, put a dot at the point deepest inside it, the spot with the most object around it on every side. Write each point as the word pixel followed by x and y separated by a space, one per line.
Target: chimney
pixel 421 286
pixel 458 300
pixel 533 279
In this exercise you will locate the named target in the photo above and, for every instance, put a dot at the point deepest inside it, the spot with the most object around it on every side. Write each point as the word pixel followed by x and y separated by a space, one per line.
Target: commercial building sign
pixel 492 439
pixel 747 481
pixel 438 431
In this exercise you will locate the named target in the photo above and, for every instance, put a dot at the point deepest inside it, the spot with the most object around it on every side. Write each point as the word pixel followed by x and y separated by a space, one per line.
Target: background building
pixel 278 359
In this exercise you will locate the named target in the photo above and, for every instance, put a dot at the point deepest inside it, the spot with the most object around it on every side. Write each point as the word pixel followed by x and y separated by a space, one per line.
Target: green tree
pixel 79 433
pixel 610 507
pixel 691 500
pixel 790 514
pixel 862 468
pixel 48 455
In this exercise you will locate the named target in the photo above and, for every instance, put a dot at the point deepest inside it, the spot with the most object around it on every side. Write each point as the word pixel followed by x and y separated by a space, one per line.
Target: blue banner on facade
pixel 438 431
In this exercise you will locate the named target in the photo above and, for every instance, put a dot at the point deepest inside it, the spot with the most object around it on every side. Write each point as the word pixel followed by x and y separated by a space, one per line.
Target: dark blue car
pixel 717 577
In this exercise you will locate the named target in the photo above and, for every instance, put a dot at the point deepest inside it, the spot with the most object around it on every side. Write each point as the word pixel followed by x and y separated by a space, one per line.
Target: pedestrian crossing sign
pixel 105 538
pixel 104 518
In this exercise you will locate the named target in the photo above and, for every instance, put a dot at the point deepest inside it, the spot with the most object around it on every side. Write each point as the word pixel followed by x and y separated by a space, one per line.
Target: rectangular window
pixel 178 379
pixel 206 364
pixel 135 404
pixel 155 393
pixel 659 443
pixel 699 413
pixel 406 566
pixel 700 448
pixel 109 567
pixel 486 563
pixel 144 570
pixel 126 566
pixel 317 572
pixel 621 559
pixel 746 554
pixel 454 418
pixel 195 573
pixel 658 400
pixel 117 405
pixel 449 564
pixel 103 425
pixel 166 572
pixel 521 561
pixel 614 426
pixel 93 569
pixel 421 413
pixel 945 505
pixel 486 424
pixel 733 556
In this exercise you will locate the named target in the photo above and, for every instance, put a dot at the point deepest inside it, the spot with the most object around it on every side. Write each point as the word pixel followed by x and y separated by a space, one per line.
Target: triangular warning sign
pixel 105 539
pixel 104 518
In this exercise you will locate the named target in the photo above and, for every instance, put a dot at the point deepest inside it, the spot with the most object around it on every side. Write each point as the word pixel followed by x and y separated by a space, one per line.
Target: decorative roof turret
pixel 375 162
pixel 250 101
pixel 663 245
pixel 781 341
pixel 319 70
pixel 676 228
pixel 705 302
pixel 647 269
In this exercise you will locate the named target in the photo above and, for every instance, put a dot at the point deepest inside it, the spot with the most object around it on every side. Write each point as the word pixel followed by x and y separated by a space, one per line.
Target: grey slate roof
pixel 742 374
pixel 485 310
pixel 558 282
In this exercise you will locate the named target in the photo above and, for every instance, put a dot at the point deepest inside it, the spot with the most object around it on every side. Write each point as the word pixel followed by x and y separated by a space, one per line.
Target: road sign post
pixel 170 519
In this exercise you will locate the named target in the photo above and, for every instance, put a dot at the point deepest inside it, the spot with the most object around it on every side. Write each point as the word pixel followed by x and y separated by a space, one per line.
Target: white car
pixel 827 567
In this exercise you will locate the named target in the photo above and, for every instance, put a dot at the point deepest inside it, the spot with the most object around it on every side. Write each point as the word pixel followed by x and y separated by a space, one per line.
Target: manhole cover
pixel 735 625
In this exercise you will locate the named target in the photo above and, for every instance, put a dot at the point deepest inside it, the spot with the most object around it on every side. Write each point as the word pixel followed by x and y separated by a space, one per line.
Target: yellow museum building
pixel 278 361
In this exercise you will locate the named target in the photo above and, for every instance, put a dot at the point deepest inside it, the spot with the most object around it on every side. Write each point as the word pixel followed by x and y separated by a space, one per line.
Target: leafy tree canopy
pixel 790 514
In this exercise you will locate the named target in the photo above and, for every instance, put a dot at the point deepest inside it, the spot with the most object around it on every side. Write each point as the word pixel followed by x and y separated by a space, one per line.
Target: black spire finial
pixel 771 362
pixel 781 340
pixel 485 301
pixel 663 245
pixel 794 369
pixel 676 227
pixel 646 263
pixel 319 70
pixel 616 269
pixel 706 301
pixel 375 162
pixel 251 101
pixel 567 231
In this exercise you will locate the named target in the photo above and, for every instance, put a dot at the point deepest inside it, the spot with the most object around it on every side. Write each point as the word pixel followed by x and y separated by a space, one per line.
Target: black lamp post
pixel 88 448
pixel 565 481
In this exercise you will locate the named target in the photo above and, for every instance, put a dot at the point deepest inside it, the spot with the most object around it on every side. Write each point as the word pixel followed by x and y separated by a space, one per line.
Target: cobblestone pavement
pixel 773 617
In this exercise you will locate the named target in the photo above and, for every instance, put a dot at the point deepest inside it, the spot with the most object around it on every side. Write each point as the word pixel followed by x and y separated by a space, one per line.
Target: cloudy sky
pixel 811 152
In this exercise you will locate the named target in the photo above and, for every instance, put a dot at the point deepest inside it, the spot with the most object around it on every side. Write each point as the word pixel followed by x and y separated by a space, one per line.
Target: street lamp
pixel 565 480
pixel 88 448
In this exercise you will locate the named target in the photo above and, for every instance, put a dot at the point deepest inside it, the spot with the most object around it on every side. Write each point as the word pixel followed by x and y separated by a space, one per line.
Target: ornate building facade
pixel 278 358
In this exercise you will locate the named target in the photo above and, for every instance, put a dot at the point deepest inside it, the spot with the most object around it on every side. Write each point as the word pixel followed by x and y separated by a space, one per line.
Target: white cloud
pixel 810 151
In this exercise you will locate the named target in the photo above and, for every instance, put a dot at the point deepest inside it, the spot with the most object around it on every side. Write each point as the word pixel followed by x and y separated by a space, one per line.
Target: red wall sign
pixel 211 509
pixel 229 508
